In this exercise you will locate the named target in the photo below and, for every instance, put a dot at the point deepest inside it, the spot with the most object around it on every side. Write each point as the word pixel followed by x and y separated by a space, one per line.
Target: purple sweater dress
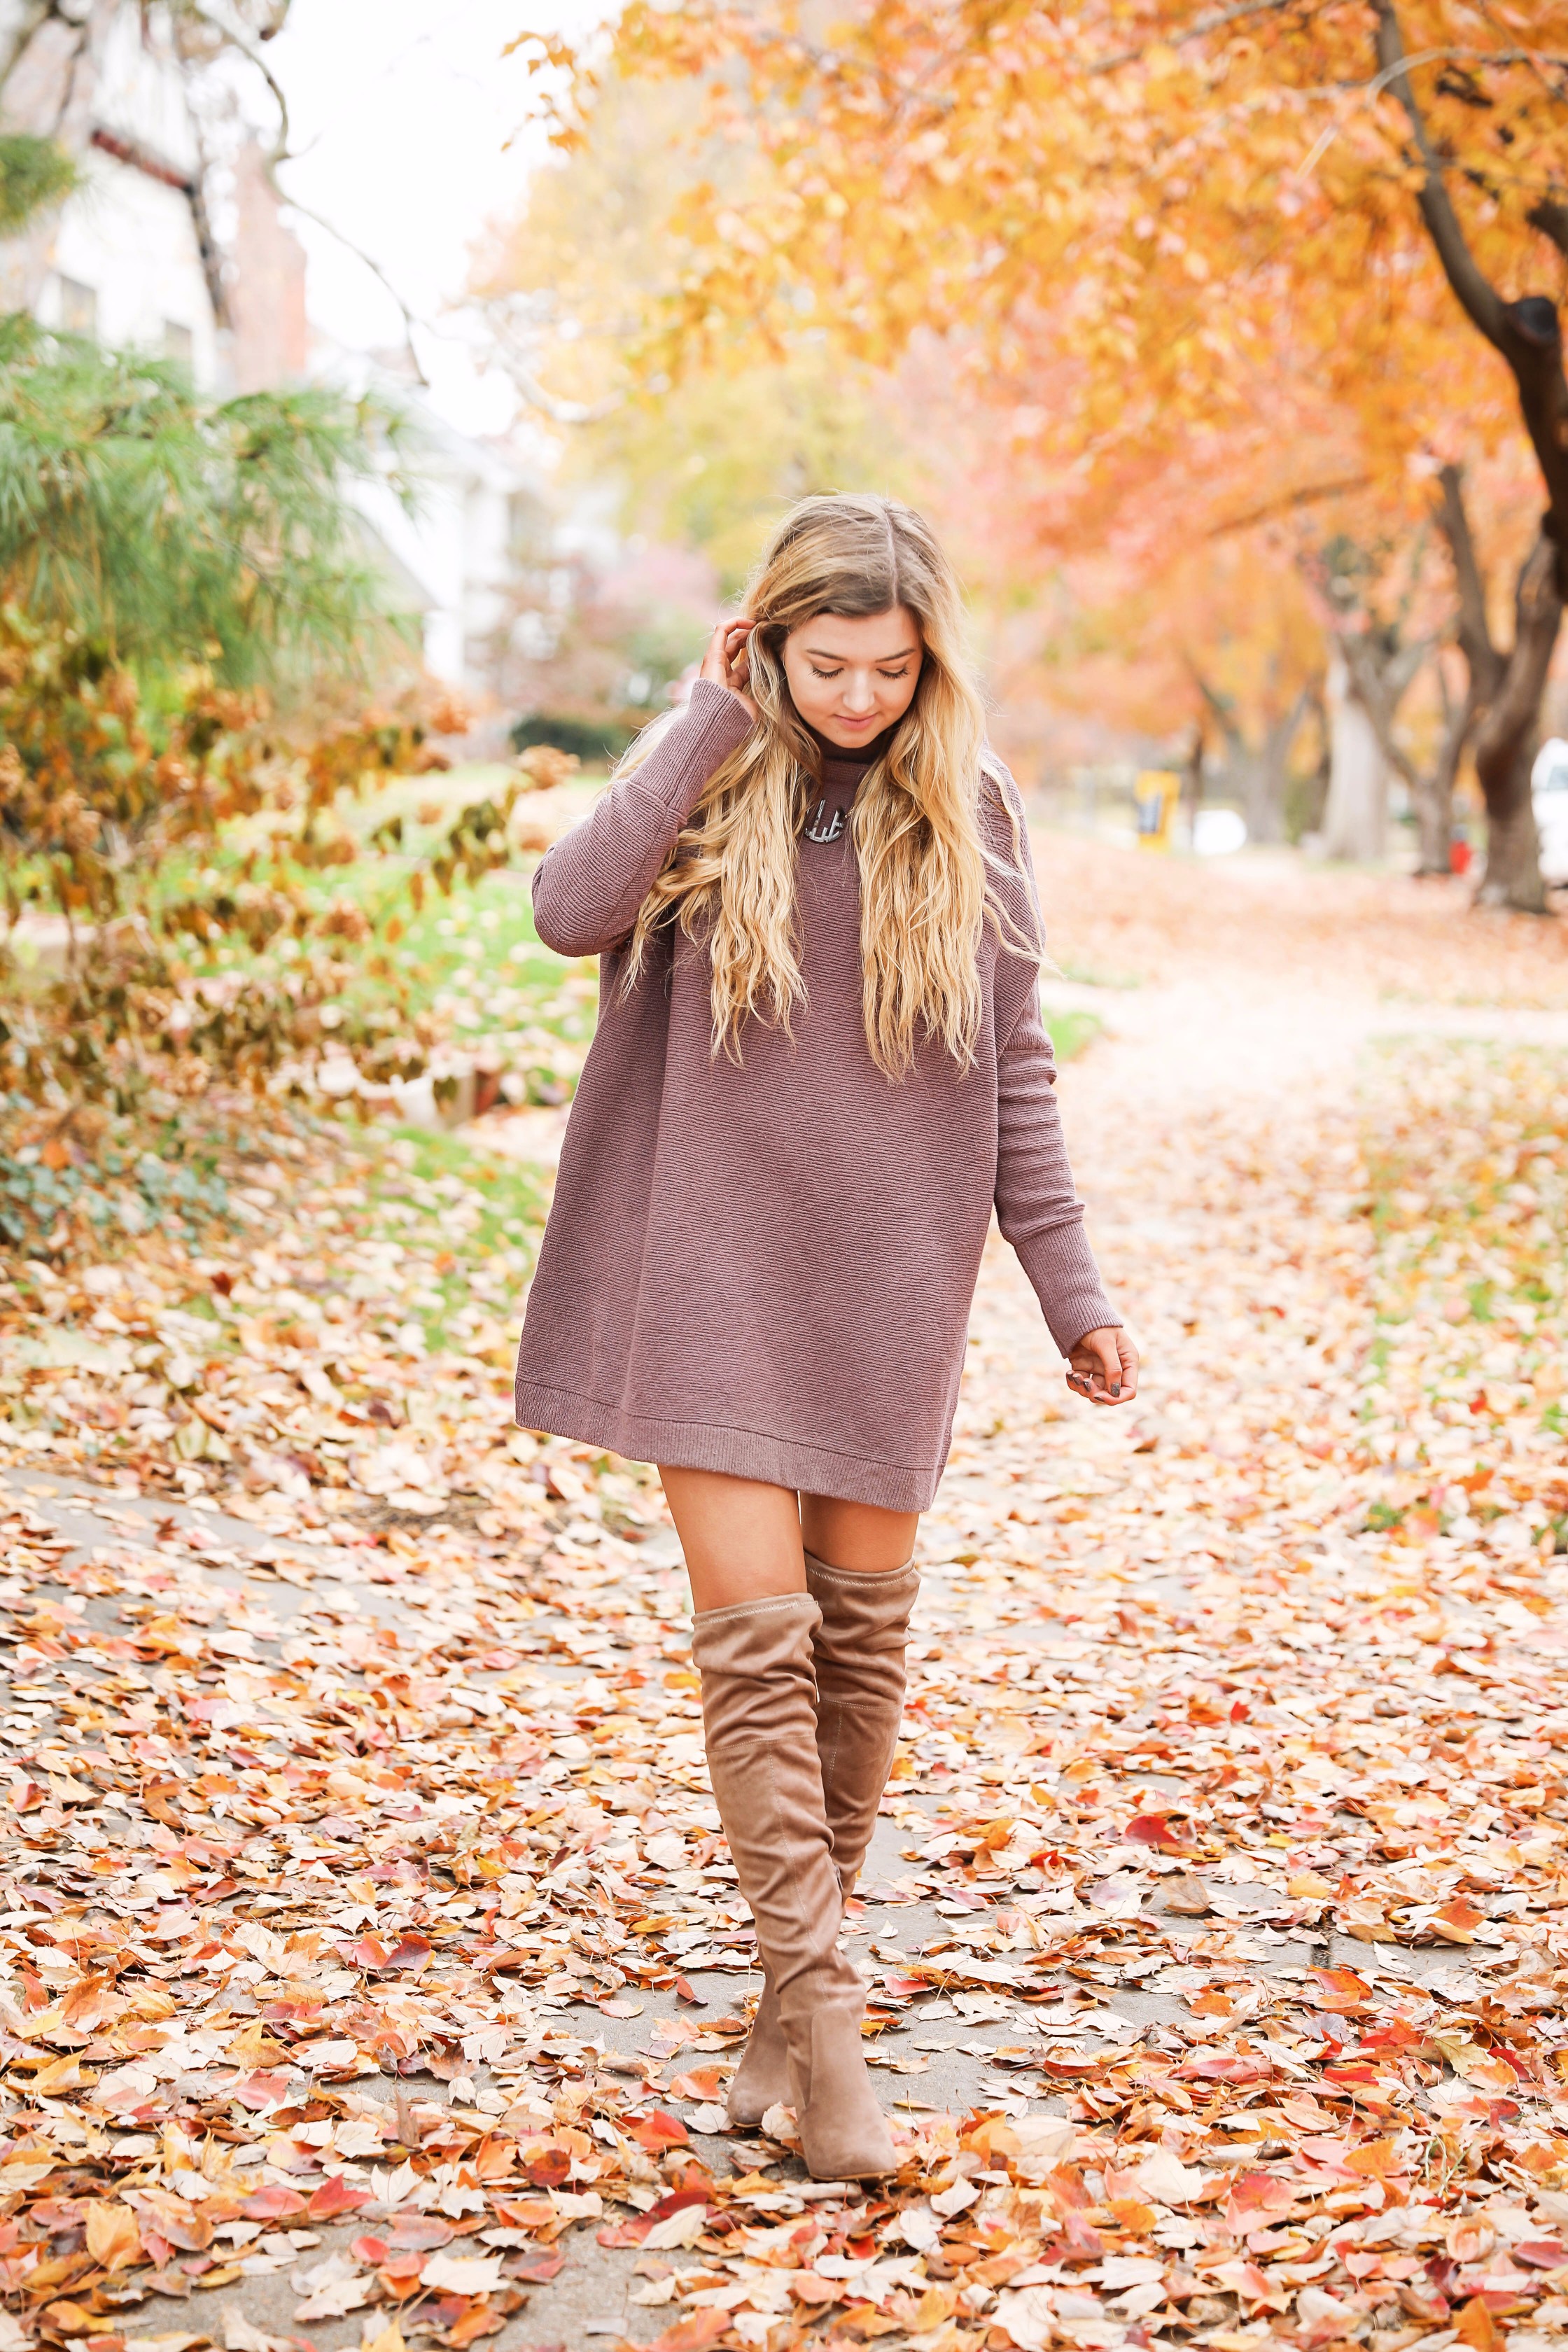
pixel 768 1270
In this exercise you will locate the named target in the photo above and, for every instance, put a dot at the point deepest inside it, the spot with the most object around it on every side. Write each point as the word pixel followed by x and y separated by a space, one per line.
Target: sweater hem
pixel 737 1452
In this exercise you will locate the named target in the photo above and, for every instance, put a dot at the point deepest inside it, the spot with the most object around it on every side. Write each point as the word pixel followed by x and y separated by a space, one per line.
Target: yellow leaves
pixel 113 2239
pixel 254 2046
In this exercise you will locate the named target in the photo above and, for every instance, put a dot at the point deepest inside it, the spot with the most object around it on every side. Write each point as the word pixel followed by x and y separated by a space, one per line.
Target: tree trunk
pixel 1193 774
pixel 1355 822
pixel 1432 794
pixel 1271 775
pixel 51 63
pixel 1507 735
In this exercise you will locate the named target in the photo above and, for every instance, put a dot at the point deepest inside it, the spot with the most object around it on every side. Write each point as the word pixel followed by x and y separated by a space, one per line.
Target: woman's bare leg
pixel 741 1536
pixel 857 1535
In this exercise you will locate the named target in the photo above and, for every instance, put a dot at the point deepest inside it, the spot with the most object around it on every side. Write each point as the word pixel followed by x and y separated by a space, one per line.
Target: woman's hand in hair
pixel 725 662
pixel 1103 1367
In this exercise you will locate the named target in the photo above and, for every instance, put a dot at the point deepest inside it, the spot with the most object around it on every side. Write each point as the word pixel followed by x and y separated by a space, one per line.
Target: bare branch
pixel 1477 295
pixel 410 317
pixel 513 346
pixel 1288 502
pixel 278 152
pixel 1213 22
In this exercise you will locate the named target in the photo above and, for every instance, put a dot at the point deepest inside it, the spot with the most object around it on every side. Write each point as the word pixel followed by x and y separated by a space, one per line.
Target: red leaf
pixel 420 2233
pixel 378 1959
pixel 370 2250
pixel 1154 1829
pixel 269 2204
pixel 334 2197
pixel 538 2273
pixel 675 2201
pixel 658 2131
pixel 703 2084
pixel 260 2090
pixel 624 2233
pixel 549 2169
pixel 686 1990
pixel 1230 2068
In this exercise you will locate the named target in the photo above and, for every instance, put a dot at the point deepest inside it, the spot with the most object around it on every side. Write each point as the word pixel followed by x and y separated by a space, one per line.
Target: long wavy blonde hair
pixel 729 881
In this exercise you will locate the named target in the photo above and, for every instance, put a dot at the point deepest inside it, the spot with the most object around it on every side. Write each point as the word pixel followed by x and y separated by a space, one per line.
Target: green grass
pixel 474 1216
pixel 1070 1033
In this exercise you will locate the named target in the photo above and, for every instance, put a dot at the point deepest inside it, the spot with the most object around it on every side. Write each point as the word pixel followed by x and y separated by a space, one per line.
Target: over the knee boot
pixel 759 1716
pixel 858 1652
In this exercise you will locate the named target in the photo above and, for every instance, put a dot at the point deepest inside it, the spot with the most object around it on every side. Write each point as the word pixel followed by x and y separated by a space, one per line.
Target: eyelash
pixel 889 676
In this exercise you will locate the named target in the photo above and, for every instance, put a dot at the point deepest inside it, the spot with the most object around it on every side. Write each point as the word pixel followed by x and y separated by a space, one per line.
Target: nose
pixel 857 694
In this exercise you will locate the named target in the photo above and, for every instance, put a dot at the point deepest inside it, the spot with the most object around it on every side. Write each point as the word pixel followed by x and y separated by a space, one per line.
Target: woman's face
pixel 852 679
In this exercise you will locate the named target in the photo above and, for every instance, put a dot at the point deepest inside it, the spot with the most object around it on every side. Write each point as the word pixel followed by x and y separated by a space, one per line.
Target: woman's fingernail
pixel 1116 1388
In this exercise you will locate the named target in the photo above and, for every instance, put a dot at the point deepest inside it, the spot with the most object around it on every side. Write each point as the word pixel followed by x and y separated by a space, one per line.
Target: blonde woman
pixel 819 1065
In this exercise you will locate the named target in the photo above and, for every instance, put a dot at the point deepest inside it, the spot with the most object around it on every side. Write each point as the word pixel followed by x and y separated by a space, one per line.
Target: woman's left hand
pixel 726 662
pixel 1103 1367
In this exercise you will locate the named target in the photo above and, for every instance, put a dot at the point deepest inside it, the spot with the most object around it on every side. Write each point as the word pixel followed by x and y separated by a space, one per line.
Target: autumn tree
pixel 1158 200
pixel 566 287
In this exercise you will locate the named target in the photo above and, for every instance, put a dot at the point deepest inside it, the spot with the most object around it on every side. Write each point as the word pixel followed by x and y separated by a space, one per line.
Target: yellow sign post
pixel 1157 795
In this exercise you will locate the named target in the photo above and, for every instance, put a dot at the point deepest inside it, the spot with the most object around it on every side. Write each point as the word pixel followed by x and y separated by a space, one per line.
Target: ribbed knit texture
pixel 768 1270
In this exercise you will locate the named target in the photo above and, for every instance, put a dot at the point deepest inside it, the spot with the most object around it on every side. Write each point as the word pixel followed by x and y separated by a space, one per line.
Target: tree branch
pixel 20 38
pixel 1379 691
pixel 1551 218
pixel 1288 502
pixel 1475 636
pixel 1216 19
pixel 1515 707
pixel 1477 295
pixel 279 152
pixel 1526 333
pixel 410 320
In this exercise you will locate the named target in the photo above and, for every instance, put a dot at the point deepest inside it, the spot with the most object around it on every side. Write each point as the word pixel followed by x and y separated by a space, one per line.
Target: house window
pixel 179 343
pixel 79 307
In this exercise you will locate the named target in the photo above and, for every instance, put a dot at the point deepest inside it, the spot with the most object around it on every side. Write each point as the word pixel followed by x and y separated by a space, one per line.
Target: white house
pixel 131 258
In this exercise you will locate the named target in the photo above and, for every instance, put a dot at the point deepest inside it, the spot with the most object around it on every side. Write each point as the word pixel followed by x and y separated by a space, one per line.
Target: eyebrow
pixel 820 653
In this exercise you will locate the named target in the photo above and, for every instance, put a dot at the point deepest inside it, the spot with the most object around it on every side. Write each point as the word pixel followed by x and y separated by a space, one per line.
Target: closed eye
pixel 891 677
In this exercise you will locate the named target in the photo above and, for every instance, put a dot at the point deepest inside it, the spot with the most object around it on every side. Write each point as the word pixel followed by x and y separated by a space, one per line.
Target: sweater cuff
pixel 714 723
pixel 1060 1266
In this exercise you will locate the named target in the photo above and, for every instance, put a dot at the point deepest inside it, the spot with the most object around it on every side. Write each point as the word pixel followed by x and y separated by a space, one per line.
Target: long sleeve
pixel 588 887
pixel 1037 1207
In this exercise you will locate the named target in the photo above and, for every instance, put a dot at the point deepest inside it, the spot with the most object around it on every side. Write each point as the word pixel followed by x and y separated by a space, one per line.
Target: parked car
pixel 1549 796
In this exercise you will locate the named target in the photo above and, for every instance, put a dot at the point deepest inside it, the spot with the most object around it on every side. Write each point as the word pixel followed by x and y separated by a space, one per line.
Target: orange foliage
pixel 1165 231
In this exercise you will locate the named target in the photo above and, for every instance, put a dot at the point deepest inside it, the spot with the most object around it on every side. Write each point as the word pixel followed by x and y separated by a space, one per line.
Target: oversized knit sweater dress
pixel 768 1269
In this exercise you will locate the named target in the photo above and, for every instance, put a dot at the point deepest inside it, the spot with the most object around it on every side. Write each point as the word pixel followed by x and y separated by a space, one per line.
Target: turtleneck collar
pixel 859 758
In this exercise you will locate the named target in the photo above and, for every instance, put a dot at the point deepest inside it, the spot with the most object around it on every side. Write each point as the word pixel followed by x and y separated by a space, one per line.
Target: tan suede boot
pixel 858 1652
pixel 759 1716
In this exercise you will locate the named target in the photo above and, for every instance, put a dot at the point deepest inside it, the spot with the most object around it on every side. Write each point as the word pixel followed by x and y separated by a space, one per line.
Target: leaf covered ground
pixel 373 1963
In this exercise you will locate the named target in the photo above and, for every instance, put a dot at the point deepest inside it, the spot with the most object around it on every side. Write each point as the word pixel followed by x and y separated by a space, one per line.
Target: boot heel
pixel 843 2132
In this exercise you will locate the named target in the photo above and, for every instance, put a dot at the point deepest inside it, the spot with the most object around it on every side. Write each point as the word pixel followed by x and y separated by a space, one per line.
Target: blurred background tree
pixel 1177 238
